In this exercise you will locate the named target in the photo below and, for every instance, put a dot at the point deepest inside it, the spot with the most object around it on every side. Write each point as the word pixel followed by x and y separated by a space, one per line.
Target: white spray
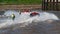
pixel 25 19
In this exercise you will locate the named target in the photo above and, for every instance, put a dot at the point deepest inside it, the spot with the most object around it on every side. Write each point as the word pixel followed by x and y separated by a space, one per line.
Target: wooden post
pixel 42 4
pixel 47 5
pixel 53 4
pixel 50 4
pixel 57 5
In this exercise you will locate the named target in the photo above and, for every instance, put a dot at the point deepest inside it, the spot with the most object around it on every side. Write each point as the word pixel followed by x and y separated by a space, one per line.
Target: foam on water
pixel 45 15
pixel 25 19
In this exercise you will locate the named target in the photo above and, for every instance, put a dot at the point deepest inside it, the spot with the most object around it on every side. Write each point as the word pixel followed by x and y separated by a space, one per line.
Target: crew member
pixel 13 16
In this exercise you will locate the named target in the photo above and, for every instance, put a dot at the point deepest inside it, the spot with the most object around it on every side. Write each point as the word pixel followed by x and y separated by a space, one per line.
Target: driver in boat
pixel 13 16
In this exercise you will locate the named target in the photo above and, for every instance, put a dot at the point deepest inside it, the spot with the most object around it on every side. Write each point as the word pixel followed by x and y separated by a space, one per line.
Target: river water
pixel 24 24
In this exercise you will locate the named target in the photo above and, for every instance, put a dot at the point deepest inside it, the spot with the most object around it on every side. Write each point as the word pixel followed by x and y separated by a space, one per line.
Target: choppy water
pixel 24 24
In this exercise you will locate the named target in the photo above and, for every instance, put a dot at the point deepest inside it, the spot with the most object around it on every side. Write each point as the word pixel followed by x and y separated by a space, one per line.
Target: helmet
pixel 12 15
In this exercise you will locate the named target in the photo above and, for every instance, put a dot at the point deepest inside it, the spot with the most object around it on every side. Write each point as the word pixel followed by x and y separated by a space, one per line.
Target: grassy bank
pixel 21 2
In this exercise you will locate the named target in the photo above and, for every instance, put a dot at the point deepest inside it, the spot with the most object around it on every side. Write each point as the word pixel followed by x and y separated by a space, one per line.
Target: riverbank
pixel 19 7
